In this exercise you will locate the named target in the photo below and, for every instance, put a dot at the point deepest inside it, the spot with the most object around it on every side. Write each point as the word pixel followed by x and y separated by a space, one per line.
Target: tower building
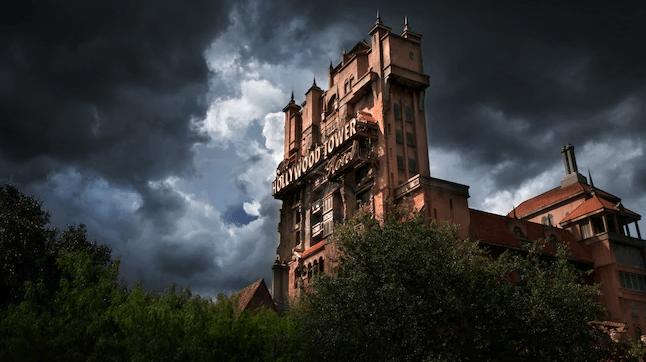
pixel 360 143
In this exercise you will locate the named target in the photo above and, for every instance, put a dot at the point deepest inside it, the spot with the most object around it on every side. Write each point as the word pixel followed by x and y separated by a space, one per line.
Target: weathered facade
pixel 363 142
pixel 601 225
pixel 360 143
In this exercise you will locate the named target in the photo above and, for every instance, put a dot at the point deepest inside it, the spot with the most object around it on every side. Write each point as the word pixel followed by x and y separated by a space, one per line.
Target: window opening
pixel 399 136
pixel 412 165
pixel 410 139
pixel 400 163
pixel 397 110
pixel 597 225
pixel 585 230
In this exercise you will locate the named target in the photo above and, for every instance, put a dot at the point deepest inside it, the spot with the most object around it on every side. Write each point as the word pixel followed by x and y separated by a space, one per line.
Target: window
pixel 410 139
pixel 412 165
pixel 321 266
pixel 628 255
pixel 398 111
pixel 399 136
pixel 553 241
pixel 400 162
pixel 632 281
pixel 585 230
pixel 364 198
pixel 597 225
pixel 361 173
pixel 408 114
pixel 518 233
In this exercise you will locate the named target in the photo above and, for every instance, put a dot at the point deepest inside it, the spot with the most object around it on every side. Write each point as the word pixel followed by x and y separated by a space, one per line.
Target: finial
pixel 314 83
pixel 292 100
pixel 331 65
pixel 514 207
pixel 592 188
pixel 378 18
pixel 406 26
pixel 344 51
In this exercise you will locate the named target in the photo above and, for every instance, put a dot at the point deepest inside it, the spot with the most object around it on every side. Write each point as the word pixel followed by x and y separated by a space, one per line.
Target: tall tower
pixel 360 143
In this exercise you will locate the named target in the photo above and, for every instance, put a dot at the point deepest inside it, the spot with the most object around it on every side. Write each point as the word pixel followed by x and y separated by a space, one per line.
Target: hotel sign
pixel 320 153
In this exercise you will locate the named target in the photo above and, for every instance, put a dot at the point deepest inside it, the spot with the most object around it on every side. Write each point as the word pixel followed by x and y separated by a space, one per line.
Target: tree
pixel 29 249
pixel 66 302
pixel 407 291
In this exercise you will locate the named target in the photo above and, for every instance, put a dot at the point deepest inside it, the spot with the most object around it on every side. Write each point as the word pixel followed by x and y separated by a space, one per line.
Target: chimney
pixel 572 174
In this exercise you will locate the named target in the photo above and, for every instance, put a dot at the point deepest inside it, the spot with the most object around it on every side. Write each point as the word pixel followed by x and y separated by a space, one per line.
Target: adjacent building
pixel 363 142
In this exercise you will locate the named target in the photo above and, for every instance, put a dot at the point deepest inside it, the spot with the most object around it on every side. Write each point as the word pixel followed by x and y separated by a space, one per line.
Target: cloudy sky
pixel 158 124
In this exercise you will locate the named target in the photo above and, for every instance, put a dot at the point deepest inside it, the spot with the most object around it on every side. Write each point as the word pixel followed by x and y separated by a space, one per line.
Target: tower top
pixel 572 174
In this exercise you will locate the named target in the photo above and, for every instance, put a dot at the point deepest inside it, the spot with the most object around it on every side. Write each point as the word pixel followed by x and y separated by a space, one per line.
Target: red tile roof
pixel 591 205
pixel 554 196
pixel 495 230
pixel 316 247
pixel 595 203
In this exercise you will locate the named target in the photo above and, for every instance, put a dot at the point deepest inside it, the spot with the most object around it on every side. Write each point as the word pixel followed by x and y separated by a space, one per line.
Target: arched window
pixel 297 275
pixel 518 233
pixel 321 265
pixel 315 267
pixel 309 270
pixel 553 241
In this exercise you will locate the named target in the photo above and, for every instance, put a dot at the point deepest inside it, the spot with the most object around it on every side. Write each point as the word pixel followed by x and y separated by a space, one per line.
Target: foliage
pixel 407 291
pixel 67 303
pixel 29 249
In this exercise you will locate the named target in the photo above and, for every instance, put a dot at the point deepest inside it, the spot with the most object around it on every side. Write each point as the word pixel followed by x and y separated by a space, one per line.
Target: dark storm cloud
pixel 554 65
pixel 185 260
pixel 110 86
pixel 98 99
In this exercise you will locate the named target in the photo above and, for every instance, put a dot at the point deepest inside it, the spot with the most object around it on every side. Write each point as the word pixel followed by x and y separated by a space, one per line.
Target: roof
pixel 595 203
pixel 361 47
pixel 313 249
pixel 497 230
pixel 555 196
pixel 246 296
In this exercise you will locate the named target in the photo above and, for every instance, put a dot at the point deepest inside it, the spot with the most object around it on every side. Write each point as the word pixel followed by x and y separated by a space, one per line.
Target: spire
pixel 406 26
pixel 378 18
pixel 592 188
pixel 331 65
pixel 292 100
pixel 314 83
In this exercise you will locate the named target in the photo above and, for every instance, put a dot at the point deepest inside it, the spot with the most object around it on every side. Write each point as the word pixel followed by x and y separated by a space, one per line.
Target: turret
pixel 292 127
pixel 572 174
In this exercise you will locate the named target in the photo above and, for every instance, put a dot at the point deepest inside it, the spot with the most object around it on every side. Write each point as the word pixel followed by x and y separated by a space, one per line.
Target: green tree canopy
pixel 65 301
pixel 407 291
pixel 29 248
